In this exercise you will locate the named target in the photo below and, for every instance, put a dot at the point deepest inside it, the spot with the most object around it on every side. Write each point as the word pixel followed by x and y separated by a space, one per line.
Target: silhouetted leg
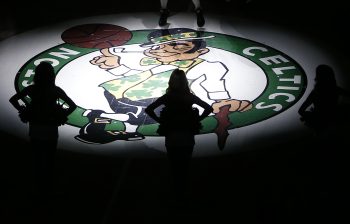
pixel 36 166
pixel 164 13
pixel 179 161
pixel 199 13
pixel 43 152
pixel 49 164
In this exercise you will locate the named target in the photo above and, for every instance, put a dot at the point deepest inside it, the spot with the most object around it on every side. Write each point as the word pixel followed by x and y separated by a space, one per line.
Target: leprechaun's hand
pixel 234 105
pixel 106 60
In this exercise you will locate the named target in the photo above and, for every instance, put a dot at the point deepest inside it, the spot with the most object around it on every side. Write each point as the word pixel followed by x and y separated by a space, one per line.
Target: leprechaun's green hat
pixel 173 35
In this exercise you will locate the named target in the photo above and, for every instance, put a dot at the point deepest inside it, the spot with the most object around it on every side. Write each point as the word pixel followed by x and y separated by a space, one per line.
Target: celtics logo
pixel 113 74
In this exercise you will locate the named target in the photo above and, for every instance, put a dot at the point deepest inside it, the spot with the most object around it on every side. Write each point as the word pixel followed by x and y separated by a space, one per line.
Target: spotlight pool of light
pixel 256 78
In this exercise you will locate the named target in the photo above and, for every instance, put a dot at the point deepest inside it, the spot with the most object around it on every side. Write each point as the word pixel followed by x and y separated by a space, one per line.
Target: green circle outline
pixel 226 42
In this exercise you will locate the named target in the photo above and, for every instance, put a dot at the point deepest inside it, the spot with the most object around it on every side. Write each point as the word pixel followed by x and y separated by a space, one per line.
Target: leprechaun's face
pixel 174 51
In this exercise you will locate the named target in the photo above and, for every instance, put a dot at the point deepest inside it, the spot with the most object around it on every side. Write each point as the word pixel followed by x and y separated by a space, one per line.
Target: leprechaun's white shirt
pixel 207 76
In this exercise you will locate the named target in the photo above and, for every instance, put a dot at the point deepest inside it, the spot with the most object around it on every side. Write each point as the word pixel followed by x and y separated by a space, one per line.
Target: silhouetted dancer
pixel 319 110
pixel 46 106
pixel 164 13
pixel 179 122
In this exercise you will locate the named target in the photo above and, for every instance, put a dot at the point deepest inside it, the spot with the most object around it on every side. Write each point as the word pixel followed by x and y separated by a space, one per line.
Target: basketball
pixel 96 36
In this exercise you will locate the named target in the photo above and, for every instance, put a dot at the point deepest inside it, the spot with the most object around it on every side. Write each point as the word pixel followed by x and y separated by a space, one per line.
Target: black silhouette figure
pixel 46 106
pixel 164 13
pixel 319 111
pixel 179 123
pixel 326 112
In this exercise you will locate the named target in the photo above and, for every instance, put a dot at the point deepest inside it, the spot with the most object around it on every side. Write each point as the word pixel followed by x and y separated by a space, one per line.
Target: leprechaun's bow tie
pixel 180 64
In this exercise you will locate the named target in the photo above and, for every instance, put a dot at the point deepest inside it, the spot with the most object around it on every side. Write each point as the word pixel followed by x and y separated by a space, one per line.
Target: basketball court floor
pixel 254 160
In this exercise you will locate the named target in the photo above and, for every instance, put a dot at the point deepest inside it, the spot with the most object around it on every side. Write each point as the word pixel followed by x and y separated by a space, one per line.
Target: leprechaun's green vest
pixel 143 85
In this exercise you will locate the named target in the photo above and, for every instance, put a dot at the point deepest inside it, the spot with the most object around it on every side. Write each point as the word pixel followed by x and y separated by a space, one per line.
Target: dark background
pixel 315 17
pixel 326 22
pixel 303 181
